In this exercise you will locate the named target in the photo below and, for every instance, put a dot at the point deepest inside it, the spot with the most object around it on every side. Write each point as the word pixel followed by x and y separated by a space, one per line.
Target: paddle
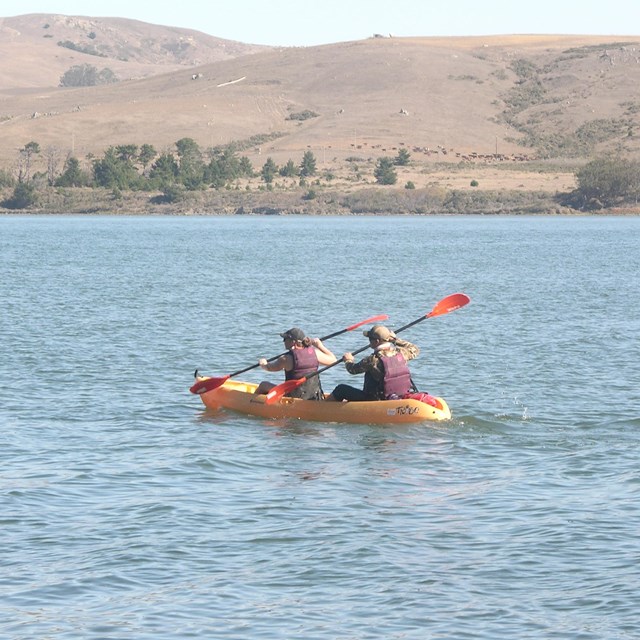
pixel 446 305
pixel 202 386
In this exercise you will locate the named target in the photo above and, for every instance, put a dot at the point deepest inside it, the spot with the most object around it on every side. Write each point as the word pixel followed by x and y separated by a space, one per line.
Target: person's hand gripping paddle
pixel 208 384
pixel 446 305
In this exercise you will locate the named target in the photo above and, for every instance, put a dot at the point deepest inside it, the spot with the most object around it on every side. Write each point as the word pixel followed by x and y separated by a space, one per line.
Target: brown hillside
pixel 446 99
pixel 131 49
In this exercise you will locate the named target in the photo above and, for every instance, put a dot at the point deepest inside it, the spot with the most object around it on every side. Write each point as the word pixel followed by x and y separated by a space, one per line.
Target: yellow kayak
pixel 239 396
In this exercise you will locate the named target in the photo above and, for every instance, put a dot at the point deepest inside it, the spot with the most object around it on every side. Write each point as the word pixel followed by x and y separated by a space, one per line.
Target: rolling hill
pixel 475 99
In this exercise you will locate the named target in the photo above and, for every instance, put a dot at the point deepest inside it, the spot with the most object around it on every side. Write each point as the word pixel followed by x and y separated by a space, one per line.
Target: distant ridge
pixel 46 45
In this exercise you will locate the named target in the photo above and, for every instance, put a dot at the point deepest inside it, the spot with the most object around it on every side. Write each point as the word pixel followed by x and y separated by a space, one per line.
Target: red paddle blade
pixel 371 320
pixel 448 304
pixel 282 389
pixel 207 384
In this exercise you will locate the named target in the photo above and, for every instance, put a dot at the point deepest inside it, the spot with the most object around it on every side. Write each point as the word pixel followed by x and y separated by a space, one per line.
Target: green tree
pixel 127 152
pixel 269 170
pixel 230 163
pixel 289 170
pixel 609 180
pixel 246 168
pixel 173 193
pixel 191 165
pixel 308 164
pixel 115 171
pixel 146 156
pixel 86 75
pixel 80 75
pixel 223 167
pixel 215 173
pixel 164 171
pixel 73 176
pixel 106 76
pixel 24 195
pixel 188 149
pixel 403 157
pixel 26 156
pixel 384 172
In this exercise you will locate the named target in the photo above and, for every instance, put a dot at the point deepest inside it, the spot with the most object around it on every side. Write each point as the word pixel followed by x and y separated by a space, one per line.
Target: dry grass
pixel 442 98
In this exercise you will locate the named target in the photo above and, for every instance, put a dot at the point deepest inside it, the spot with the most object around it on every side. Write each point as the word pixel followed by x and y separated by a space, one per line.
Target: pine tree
pixel 308 164
pixel 384 172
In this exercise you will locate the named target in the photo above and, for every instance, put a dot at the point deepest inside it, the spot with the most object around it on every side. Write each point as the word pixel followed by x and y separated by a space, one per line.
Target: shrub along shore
pixel 369 201
pixel 122 183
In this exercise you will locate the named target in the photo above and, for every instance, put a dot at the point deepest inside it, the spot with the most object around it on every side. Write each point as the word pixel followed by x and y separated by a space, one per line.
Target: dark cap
pixel 379 332
pixel 295 334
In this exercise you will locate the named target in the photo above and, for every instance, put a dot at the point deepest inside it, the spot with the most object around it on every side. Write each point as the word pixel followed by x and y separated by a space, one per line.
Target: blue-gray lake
pixel 127 511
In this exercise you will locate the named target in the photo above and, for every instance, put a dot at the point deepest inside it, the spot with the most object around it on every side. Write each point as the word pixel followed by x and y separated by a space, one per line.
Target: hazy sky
pixel 311 22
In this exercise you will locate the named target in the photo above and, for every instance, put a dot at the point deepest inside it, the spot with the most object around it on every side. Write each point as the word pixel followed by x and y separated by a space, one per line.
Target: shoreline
pixel 366 201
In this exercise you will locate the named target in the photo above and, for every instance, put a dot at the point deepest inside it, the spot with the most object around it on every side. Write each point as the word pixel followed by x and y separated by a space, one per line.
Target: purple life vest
pixel 396 380
pixel 305 362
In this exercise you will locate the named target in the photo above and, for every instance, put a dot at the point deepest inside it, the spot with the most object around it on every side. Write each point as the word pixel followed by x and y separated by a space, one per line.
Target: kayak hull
pixel 239 396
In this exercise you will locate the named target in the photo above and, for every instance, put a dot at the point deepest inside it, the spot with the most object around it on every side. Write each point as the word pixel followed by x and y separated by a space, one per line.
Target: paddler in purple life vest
pixel 304 356
pixel 386 373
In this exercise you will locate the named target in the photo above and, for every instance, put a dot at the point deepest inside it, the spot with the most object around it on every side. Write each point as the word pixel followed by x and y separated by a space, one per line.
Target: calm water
pixel 128 512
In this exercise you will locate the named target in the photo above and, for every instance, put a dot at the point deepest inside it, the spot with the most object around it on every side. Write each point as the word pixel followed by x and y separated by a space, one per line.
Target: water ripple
pixel 128 511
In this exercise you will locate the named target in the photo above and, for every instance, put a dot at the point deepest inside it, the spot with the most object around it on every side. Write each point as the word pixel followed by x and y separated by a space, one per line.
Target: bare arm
pixel 324 355
pixel 283 362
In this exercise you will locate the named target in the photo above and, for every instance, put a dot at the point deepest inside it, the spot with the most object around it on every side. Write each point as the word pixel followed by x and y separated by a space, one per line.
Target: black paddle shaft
pixel 353 353
pixel 331 335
